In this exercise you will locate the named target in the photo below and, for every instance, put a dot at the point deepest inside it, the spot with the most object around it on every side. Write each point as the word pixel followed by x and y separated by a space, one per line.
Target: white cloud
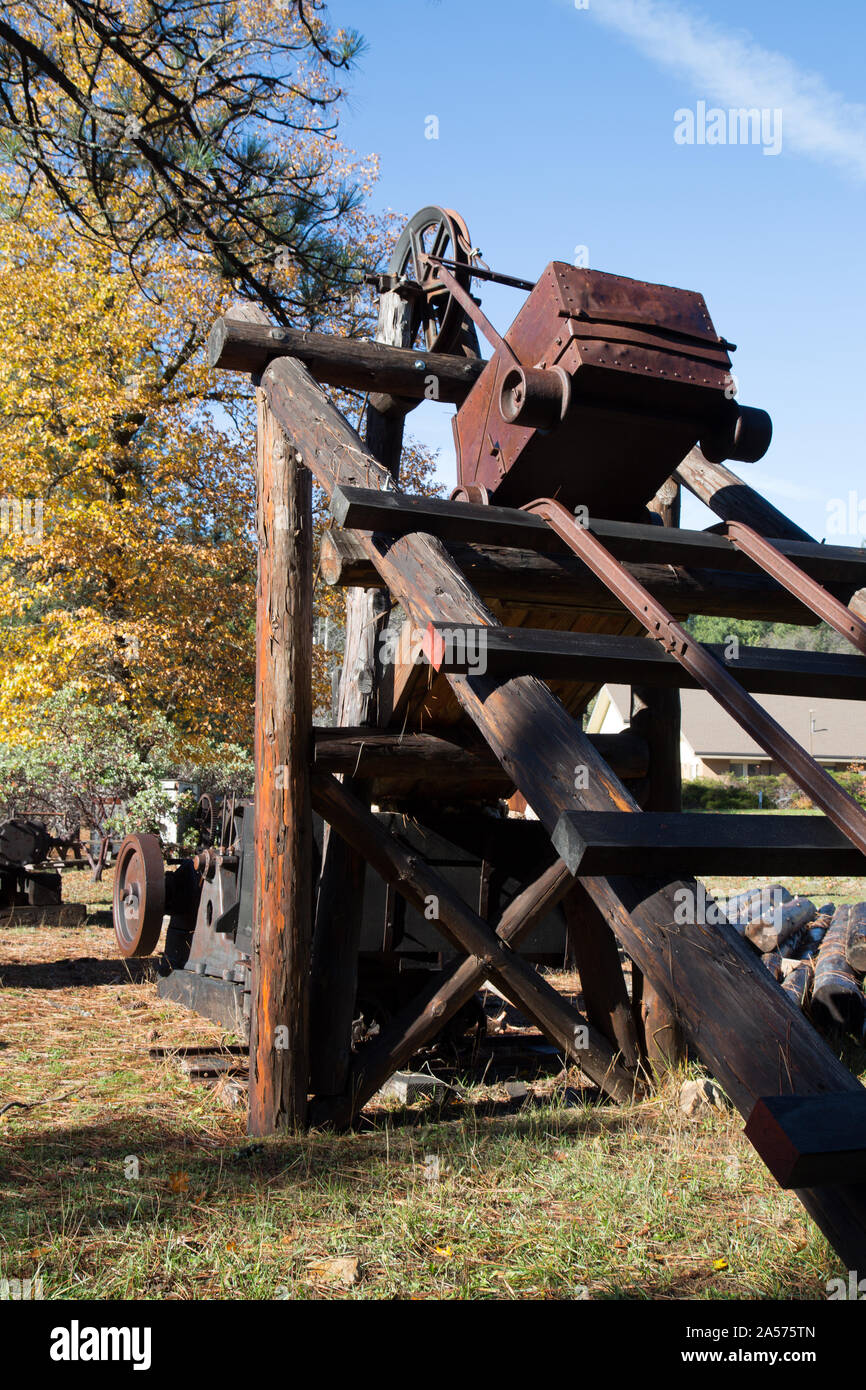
pixel 731 69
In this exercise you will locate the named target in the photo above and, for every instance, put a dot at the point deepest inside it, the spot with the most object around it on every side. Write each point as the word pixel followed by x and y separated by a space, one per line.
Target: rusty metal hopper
pixel 600 388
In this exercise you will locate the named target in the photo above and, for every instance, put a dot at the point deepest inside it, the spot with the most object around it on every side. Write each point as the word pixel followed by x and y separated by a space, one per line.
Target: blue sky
pixel 556 130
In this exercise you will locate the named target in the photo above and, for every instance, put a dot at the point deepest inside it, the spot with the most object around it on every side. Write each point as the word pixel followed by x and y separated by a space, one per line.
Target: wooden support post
pixel 339 907
pixel 594 951
pixel 282 918
pixel 661 1037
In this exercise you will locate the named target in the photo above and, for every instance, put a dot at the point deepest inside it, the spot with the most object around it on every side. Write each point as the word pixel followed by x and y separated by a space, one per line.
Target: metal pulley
pixel 139 895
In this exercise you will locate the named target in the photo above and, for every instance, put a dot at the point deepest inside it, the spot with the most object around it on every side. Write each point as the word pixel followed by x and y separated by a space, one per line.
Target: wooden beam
pixel 461 649
pixel 339 907
pixel 362 509
pixel 282 918
pixel 523 578
pixel 747 1032
pixel 659 720
pixel 349 362
pixel 439 765
pixel 811 1140
pixel 608 842
pixel 732 499
pixel 434 896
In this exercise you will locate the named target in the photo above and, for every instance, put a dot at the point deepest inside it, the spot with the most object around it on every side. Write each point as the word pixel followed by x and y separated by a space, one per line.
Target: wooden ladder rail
pixel 826 793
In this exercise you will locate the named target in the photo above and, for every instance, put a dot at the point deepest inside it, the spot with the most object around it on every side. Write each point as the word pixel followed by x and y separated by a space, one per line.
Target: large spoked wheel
pixel 434 232
pixel 139 895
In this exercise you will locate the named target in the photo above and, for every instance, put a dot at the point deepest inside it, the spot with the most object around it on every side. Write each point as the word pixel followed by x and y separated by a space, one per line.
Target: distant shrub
pixel 779 793
pixel 719 794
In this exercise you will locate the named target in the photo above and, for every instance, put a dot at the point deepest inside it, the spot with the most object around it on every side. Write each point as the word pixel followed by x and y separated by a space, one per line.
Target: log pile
pixel 817 955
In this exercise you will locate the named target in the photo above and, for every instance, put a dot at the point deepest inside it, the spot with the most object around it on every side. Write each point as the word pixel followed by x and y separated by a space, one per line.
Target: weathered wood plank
pixel 437 765
pixel 807 1140
pixel 370 510
pixel 608 842
pixel 458 649
pixel 516 577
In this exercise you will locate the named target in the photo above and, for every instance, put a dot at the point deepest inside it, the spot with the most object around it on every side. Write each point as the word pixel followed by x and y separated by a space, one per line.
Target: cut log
pixel 742 908
pixel 855 938
pixel 747 1033
pixel 523 578
pixel 837 997
pixel 777 923
pixel 730 498
pixel 797 982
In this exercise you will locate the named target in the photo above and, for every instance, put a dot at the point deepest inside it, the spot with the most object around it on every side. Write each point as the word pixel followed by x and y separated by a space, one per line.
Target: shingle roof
pixel 840 725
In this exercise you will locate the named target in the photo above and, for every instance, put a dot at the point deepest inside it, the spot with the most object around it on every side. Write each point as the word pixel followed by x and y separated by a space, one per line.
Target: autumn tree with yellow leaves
pixel 159 161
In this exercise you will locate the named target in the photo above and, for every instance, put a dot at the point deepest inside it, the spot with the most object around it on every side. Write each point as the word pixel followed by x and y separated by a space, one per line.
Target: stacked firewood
pixel 817 954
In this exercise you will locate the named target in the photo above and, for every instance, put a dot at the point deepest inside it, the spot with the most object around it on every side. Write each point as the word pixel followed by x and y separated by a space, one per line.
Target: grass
pixel 127 1180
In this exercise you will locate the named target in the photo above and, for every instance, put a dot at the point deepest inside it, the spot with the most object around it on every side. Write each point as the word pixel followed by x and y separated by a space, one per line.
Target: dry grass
pixel 558 1198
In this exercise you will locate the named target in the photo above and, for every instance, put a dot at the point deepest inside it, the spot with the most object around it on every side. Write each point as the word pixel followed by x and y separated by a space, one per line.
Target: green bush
pixel 719 794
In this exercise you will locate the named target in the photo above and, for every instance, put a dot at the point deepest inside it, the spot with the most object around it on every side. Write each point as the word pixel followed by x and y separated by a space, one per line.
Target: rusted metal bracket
pixel 792 578
pixel 824 791
pixel 474 310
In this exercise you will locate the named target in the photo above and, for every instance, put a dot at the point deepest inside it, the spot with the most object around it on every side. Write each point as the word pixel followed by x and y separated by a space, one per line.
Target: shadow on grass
pixel 76 1180
pixel 77 972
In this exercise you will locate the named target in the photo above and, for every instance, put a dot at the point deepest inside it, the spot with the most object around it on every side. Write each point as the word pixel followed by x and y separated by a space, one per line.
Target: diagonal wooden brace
pixel 428 1012
pixel 426 889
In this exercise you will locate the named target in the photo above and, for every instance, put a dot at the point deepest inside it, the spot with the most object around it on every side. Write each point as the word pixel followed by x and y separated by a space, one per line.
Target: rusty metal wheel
pixel 434 232
pixel 139 895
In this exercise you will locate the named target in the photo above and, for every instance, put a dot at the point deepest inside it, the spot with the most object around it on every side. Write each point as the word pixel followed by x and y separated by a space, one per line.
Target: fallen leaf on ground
pixel 342 1271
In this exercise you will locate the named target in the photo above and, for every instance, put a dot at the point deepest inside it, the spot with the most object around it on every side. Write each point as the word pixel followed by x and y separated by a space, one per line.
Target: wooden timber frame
pixel 703 979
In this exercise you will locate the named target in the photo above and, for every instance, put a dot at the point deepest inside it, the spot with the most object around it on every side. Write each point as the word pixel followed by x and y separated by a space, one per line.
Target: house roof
pixel 839 736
